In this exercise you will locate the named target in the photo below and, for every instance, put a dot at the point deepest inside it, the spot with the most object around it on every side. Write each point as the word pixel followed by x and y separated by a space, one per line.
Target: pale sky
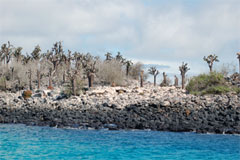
pixel 164 32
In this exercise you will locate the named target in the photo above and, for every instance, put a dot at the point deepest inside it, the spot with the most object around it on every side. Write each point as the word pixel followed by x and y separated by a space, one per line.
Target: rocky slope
pixel 155 108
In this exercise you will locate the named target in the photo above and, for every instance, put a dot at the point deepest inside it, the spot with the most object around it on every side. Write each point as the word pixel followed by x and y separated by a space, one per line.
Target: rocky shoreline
pixel 155 108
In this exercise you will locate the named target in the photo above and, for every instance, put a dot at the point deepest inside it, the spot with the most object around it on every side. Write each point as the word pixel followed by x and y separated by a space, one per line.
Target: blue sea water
pixel 32 142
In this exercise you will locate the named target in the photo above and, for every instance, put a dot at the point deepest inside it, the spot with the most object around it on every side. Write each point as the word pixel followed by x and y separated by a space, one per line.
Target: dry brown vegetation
pixel 56 68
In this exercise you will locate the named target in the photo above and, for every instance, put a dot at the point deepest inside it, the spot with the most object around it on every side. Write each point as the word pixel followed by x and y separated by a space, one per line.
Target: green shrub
pixel 212 83
pixel 216 90
pixel 236 89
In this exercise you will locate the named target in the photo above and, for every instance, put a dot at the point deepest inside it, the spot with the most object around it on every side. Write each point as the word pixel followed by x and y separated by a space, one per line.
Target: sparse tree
pixel 153 71
pixel 183 69
pixel 210 60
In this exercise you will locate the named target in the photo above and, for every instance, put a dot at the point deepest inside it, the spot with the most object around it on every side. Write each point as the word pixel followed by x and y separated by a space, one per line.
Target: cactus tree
pixel 153 71
pixel 36 53
pixel 210 60
pixel 6 51
pixel 183 69
pixel 72 75
pixel 128 65
pixel 108 56
pixel 89 65
pixel 18 53
pixel 55 56
pixel 238 56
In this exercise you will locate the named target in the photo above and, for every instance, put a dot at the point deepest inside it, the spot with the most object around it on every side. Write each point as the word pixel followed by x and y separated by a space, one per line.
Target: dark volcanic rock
pixel 215 114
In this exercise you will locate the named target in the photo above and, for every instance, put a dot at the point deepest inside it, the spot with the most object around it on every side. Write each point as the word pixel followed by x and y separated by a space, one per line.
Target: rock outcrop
pixel 155 108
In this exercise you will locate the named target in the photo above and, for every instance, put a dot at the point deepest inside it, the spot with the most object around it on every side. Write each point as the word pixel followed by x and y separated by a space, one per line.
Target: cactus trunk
pixel 210 67
pixel 38 77
pixel 239 64
pixel 90 80
pixel 141 79
pixel 155 77
pixel 64 77
pixel 183 81
pixel 73 86
pixel 30 79
pixel 127 71
pixel 50 78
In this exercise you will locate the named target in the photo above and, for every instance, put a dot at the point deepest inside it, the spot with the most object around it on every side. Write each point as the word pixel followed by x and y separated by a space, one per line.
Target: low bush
pixel 236 89
pixel 136 69
pixel 111 72
pixel 212 83
pixel 27 94
pixel 216 90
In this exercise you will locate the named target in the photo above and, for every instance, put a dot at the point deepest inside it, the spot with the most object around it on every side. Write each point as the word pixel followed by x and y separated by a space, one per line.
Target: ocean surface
pixel 32 142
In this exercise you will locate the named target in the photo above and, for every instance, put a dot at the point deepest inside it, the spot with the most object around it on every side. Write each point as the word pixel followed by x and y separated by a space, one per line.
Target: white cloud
pixel 168 33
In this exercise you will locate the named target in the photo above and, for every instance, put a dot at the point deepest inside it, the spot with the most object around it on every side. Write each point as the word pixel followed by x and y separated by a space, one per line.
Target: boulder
pixel 111 126
pixel 165 103
pixel 38 95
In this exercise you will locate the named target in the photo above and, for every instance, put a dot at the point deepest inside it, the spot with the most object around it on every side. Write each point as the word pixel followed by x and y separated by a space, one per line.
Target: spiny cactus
pixel 18 53
pixel 108 56
pixel 36 53
pixel 26 59
pixel 210 60
pixel 55 56
pixel 128 64
pixel 153 71
pixel 120 58
pixel 6 53
pixel 183 69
